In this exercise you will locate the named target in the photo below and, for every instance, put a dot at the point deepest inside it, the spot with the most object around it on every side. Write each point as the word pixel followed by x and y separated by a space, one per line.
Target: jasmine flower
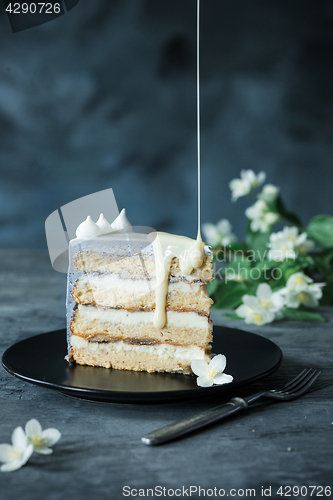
pixel 248 182
pixel 41 440
pixel 219 234
pixel 16 454
pixel 212 373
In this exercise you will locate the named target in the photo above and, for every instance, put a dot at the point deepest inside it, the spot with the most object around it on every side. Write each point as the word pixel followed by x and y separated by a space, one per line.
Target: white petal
pixel 268 317
pixel 252 302
pixel 223 379
pixel 311 301
pixel 247 175
pixel 224 226
pixel 283 292
pixel 264 291
pixel 218 363
pixel 261 177
pixel 242 311
pixel 269 192
pixel 292 282
pixel 11 466
pixel 271 218
pixel 5 449
pixel 239 187
pixel 205 381
pixel 19 439
pixel 278 301
pixel 316 290
pixel 273 237
pixel 51 435
pixel 210 233
pixel 292 301
pixel 27 453
pixel 249 320
pixel 17 464
pixel 43 450
pixel 226 241
pixel 301 239
pixel 199 366
pixel 256 225
pixel 291 233
pixel 33 428
pixel 251 212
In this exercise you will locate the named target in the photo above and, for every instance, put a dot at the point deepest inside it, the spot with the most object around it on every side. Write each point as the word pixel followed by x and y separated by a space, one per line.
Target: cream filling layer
pixel 112 283
pixel 117 316
pixel 162 350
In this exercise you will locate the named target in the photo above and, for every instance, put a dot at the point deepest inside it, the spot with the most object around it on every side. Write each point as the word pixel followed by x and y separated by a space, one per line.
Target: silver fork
pixel 295 388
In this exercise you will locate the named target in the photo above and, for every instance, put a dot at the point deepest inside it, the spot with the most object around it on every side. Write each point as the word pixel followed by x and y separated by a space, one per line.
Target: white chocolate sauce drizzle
pixel 167 246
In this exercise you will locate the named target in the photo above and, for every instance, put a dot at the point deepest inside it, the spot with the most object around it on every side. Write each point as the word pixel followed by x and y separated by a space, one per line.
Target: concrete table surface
pixel 100 452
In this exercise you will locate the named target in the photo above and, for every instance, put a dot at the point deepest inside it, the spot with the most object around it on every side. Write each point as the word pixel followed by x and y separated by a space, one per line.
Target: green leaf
pixel 320 229
pixel 239 267
pixel 231 315
pixel 301 315
pixel 288 268
pixel 284 213
pixel 257 243
pixel 278 275
pixel 266 265
pixel 305 261
pixel 237 246
pixel 324 264
pixel 327 298
pixel 229 295
pixel 264 271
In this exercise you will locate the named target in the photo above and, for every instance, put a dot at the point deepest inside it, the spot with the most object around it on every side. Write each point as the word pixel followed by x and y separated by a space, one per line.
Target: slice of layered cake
pixel 137 301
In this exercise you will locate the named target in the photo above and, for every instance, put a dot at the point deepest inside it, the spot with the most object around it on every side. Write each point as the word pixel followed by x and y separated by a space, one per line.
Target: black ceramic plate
pixel 40 360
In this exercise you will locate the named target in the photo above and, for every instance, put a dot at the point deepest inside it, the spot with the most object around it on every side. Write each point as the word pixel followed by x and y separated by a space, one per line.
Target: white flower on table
pixel 301 290
pixel 212 373
pixel 288 243
pixel 269 193
pixel 262 308
pixel 261 217
pixel 248 182
pixel 41 440
pixel 219 234
pixel 16 454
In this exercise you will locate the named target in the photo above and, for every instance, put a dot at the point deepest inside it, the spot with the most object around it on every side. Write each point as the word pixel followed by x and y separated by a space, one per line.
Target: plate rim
pixel 115 396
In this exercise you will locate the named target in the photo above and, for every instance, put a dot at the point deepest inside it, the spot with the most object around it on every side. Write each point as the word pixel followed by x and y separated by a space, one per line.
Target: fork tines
pixel 301 382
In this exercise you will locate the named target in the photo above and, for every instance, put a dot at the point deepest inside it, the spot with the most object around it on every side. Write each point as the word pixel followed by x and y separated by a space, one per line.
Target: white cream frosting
pixel 121 222
pixel 88 229
pixel 104 225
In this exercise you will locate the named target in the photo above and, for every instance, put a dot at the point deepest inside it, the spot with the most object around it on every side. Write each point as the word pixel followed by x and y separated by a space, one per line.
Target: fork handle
pixel 191 424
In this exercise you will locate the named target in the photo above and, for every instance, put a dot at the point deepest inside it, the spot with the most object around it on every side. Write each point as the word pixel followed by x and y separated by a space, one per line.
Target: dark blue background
pixel 105 96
